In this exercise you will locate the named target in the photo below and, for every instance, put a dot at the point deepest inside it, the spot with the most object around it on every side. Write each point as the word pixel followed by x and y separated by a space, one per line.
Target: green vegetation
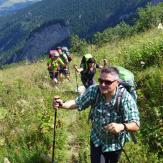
pixel 26 113
pixel 83 18
pixel 147 18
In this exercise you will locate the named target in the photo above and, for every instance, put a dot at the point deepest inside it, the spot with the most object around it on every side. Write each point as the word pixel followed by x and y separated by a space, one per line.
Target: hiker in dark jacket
pixel 88 73
pixel 110 130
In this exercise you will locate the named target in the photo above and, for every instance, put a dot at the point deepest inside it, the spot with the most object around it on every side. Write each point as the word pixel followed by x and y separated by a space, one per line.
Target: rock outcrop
pixel 41 40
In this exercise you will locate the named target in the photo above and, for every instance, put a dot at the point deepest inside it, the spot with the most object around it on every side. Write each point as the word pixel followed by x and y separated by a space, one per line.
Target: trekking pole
pixel 76 77
pixel 123 150
pixel 134 139
pixel 104 62
pixel 126 155
pixel 54 133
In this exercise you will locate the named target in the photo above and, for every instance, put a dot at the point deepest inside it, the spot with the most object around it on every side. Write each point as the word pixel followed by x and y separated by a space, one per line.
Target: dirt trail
pixel 72 147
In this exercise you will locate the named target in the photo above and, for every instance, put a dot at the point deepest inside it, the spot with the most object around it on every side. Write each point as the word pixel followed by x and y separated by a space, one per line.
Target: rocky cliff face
pixel 41 40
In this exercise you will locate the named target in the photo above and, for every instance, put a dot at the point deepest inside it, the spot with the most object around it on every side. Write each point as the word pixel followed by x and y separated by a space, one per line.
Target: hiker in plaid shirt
pixel 110 128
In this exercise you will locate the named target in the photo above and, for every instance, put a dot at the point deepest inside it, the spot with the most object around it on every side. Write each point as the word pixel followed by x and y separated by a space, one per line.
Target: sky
pixel 10 3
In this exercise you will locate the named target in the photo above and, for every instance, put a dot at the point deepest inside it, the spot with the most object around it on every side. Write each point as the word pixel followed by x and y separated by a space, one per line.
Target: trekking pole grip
pixel 56 103
pixel 76 77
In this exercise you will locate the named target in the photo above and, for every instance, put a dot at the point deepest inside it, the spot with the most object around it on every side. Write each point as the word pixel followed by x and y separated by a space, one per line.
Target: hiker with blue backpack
pixel 64 70
pixel 87 69
pixel 113 115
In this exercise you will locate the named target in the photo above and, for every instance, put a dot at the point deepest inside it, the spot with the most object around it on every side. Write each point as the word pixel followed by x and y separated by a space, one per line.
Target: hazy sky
pixel 9 3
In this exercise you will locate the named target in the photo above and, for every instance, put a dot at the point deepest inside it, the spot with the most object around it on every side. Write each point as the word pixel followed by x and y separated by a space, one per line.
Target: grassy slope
pixel 26 116
pixel 113 52
pixel 27 89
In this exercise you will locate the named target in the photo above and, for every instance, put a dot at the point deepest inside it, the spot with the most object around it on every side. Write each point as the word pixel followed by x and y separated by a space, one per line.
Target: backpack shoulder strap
pixel 119 98
pixel 117 108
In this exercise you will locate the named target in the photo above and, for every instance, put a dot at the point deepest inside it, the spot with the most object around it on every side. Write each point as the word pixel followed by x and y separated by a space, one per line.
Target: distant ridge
pixel 82 17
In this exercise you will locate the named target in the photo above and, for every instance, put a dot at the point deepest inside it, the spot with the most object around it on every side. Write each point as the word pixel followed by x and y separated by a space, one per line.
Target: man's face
pixel 107 83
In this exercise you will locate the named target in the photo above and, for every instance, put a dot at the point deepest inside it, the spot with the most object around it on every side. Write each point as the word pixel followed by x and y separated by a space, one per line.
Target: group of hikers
pixel 58 63
pixel 58 66
pixel 112 102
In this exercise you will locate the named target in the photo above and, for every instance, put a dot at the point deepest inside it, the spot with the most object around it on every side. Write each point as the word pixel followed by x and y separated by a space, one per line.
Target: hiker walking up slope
pixel 53 65
pixel 63 69
pixel 110 129
pixel 87 69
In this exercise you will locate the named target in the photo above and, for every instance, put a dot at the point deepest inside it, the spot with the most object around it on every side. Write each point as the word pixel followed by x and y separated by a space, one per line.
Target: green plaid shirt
pixel 103 113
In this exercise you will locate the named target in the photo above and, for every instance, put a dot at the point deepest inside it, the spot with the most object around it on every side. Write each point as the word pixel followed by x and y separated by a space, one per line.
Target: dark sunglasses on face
pixel 106 82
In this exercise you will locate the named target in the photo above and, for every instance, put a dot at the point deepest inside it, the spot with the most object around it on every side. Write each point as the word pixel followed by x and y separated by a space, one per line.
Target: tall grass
pixel 27 117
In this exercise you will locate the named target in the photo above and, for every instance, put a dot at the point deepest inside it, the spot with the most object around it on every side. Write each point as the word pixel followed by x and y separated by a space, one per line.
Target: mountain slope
pixel 8 7
pixel 26 114
pixel 82 17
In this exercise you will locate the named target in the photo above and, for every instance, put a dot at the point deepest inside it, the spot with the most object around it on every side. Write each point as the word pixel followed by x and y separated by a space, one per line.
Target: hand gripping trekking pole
pixel 54 133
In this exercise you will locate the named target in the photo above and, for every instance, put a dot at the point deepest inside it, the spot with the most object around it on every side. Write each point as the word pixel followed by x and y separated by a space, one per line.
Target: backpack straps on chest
pixel 119 98
pixel 117 107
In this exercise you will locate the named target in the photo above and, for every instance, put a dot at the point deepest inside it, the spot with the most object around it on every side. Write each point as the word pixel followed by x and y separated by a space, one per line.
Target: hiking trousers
pixel 97 156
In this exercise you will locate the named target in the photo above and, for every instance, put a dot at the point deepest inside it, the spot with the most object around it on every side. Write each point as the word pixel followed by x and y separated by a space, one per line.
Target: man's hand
pixel 114 127
pixel 57 102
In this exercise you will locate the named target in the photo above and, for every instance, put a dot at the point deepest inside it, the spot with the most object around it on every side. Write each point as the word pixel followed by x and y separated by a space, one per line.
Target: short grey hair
pixel 111 70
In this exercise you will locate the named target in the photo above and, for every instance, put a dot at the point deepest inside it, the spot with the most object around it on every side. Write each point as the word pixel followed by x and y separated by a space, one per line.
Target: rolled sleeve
pixel 86 99
pixel 131 113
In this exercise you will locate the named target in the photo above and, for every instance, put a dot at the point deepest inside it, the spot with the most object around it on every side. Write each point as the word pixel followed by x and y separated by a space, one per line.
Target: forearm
pixel 131 126
pixel 61 63
pixel 119 127
pixel 69 105
pixel 100 67
pixel 78 69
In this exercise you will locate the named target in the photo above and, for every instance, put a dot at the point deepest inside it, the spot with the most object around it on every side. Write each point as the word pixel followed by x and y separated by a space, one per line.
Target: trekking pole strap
pixel 76 81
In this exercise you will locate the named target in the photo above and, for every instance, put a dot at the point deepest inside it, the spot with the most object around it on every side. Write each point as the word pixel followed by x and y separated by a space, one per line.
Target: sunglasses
pixel 106 82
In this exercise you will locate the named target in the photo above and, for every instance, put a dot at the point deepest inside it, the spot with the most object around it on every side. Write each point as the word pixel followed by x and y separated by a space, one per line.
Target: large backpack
pixel 127 80
pixel 66 51
pixel 84 60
